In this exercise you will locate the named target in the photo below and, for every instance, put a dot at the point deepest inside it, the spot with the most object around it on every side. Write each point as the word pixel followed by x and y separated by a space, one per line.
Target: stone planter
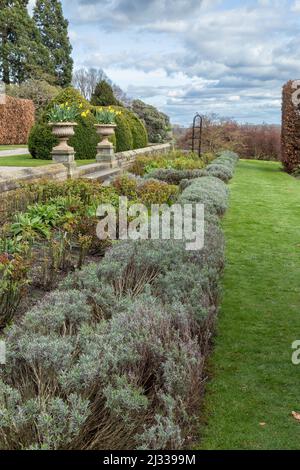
pixel 105 149
pixel 64 153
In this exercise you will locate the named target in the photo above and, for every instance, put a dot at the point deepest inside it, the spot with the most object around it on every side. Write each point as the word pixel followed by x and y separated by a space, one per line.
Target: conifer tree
pixel 22 54
pixel 104 95
pixel 53 27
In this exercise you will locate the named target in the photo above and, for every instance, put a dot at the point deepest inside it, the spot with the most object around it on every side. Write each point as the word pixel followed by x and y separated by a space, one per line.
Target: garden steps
pixel 93 172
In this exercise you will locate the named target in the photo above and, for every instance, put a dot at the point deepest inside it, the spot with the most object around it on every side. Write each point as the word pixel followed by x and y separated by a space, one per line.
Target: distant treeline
pixel 259 141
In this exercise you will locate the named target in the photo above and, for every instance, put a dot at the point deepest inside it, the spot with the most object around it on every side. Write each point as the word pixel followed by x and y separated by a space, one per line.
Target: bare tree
pixel 85 80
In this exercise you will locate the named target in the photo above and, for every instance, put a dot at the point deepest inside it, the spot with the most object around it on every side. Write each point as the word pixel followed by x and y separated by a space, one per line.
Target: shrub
pixel 146 164
pixel 156 122
pixel 39 91
pixel 13 281
pixel 143 363
pixel 138 130
pixel 16 120
pixel 184 163
pixel 219 171
pixel 41 141
pixel 174 176
pixel 126 185
pixel 123 133
pixel 103 95
pixel 157 192
pixel 71 96
pixel 85 139
pixel 210 191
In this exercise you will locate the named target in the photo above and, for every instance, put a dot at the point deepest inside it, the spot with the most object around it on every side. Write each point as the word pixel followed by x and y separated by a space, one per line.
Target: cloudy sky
pixel 230 57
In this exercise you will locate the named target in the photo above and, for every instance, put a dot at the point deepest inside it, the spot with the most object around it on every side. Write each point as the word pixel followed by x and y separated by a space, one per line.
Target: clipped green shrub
pixel 124 139
pixel 41 141
pixel 104 95
pixel 71 96
pixel 85 139
pixel 138 130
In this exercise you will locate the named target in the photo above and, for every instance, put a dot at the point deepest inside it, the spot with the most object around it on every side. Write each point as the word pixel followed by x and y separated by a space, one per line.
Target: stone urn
pixel 105 149
pixel 64 153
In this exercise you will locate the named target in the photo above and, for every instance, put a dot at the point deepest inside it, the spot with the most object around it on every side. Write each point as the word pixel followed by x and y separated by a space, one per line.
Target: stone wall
pixel 12 179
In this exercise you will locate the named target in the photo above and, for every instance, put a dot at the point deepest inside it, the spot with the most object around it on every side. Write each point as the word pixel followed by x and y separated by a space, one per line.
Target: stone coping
pixel 17 176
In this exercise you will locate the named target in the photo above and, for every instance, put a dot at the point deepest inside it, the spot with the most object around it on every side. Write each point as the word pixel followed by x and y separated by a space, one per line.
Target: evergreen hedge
pixel 130 131
pixel 290 129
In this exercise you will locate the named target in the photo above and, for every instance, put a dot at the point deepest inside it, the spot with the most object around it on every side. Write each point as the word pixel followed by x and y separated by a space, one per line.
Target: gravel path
pixel 12 153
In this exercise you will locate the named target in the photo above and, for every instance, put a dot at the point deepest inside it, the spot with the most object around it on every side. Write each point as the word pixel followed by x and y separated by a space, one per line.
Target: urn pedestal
pixel 105 149
pixel 64 153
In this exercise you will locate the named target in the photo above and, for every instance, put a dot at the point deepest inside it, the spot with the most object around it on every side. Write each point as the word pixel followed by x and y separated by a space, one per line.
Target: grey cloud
pixel 117 13
pixel 241 52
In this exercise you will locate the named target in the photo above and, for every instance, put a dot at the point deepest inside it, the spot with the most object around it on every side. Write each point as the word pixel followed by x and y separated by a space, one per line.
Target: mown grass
pixel 28 161
pixel 254 386
pixel 12 147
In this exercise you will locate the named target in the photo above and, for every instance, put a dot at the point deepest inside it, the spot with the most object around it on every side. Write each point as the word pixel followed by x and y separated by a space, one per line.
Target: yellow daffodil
pixel 80 106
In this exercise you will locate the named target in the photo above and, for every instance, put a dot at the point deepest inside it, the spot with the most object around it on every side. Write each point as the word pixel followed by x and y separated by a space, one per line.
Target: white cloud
pixel 189 55
pixel 296 6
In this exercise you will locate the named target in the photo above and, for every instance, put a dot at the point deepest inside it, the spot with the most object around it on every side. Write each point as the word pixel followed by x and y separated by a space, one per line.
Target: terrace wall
pixel 13 179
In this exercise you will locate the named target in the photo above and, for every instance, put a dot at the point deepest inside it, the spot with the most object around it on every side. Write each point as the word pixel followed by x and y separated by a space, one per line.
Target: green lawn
pixel 12 147
pixel 28 161
pixel 253 380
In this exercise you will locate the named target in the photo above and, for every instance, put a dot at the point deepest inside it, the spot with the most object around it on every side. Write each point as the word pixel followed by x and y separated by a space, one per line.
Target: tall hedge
pixel 138 130
pixel 290 139
pixel 16 120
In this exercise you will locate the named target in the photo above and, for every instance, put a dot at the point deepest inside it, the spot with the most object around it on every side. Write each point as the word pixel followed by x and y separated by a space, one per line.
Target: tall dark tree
pixel 22 54
pixel 53 27
pixel 104 95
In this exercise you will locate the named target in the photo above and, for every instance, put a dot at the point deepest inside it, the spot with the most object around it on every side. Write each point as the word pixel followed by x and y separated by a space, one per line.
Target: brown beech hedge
pixel 16 120
pixel 290 127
